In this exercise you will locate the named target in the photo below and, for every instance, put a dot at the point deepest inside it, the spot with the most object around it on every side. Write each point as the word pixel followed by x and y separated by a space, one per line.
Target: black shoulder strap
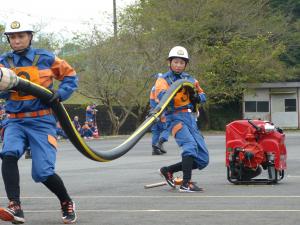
pixel 10 62
pixel 36 59
pixel 12 65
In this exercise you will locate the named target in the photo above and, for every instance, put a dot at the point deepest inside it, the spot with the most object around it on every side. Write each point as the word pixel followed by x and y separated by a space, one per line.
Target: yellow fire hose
pixel 9 80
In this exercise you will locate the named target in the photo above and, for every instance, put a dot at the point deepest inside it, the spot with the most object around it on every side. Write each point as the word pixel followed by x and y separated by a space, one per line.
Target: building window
pixel 290 105
pixel 263 106
pixel 250 106
pixel 256 106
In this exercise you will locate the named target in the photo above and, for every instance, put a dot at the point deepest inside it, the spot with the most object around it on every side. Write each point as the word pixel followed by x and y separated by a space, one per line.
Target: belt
pixel 183 110
pixel 38 113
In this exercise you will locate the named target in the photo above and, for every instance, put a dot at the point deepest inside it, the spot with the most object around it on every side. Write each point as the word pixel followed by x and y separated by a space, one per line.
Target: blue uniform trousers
pixel 40 135
pixel 159 132
pixel 188 137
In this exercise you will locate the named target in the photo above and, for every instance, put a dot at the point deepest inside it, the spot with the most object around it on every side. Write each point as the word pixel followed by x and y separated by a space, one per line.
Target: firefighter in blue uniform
pixel 160 133
pixel 181 120
pixel 31 121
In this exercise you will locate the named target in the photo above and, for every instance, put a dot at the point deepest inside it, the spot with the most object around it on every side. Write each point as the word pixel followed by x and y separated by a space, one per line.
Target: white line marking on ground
pixel 169 210
pixel 293 176
pixel 192 196
pixel 166 196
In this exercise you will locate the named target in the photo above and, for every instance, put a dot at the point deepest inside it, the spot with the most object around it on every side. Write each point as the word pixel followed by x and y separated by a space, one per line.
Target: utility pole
pixel 115 18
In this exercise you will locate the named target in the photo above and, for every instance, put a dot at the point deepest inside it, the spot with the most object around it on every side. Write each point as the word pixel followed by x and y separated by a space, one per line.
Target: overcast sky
pixel 63 16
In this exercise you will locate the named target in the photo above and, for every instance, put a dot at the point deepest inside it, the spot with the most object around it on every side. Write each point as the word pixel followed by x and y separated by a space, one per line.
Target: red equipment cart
pixel 252 145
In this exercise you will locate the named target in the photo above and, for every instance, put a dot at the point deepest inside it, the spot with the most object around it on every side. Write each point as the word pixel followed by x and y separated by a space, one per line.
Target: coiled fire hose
pixel 10 81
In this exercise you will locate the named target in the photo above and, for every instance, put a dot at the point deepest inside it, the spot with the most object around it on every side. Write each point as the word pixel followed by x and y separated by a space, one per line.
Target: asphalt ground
pixel 113 192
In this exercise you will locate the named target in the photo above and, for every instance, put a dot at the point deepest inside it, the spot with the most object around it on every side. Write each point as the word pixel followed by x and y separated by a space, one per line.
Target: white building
pixel 275 102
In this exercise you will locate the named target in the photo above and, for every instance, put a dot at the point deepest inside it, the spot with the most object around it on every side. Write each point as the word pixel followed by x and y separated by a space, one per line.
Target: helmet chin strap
pixel 176 73
pixel 22 52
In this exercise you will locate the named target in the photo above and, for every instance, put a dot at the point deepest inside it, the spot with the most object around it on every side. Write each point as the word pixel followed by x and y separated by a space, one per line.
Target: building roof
pixel 275 85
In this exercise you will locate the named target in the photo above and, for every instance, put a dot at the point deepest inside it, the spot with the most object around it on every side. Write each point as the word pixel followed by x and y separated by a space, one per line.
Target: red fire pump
pixel 252 145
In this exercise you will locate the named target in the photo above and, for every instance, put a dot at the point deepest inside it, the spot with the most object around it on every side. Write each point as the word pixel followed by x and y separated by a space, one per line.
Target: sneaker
pixel 155 150
pixel 68 212
pixel 168 176
pixel 13 213
pixel 190 187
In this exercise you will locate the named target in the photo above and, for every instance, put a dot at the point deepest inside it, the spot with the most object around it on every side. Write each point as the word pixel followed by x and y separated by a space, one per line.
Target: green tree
pixel 228 68
pixel 291 10
pixel 231 43
pixel 114 75
pixel 45 41
pixel 235 39
pixel 4 46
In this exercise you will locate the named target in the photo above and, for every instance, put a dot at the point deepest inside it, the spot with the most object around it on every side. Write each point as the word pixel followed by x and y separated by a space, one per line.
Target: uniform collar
pixel 177 76
pixel 29 55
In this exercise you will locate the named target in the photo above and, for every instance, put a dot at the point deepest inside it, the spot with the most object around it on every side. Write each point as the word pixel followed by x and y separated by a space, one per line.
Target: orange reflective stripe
pixel 52 140
pixel 176 128
pixel 30 114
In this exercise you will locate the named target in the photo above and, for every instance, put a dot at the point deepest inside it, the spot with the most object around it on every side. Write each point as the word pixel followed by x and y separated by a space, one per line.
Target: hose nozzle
pixel 8 79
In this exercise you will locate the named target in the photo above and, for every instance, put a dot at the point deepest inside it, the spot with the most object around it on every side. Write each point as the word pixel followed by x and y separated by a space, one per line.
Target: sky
pixel 63 17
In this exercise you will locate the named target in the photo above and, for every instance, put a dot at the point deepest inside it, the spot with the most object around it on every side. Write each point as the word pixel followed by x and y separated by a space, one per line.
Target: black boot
pixel 160 145
pixel 156 150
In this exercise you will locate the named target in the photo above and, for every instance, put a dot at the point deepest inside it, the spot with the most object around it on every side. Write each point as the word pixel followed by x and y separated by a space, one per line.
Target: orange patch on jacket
pixel 176 128
pixel 61 69
pixel 182 98
pixel 52 140
pixel 30 73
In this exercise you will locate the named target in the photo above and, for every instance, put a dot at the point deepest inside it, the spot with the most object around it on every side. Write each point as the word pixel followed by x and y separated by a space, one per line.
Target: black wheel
pixel 273 174
pixel 281 174
pixel 229 176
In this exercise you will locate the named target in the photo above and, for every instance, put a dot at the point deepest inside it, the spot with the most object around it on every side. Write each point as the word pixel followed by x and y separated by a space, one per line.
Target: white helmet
pixel 179 52
pixel 16 27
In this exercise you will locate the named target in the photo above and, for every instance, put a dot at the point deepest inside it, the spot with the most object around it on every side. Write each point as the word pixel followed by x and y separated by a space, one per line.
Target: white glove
pixel 8 79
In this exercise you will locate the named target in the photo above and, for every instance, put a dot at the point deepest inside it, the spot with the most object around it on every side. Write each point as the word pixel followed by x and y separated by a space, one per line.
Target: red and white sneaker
pixel 13 213
pixel 68 212
pixel 168 176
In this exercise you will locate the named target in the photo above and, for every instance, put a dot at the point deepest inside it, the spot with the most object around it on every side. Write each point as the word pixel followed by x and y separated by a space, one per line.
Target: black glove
pixel 195 98
pixel 55 97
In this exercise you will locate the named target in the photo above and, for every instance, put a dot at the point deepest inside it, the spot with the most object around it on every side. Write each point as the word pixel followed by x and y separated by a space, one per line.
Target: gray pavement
pixel 113 193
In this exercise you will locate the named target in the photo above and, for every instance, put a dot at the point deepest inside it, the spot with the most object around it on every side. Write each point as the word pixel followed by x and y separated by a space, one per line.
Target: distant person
pixel 159 131
pixel 86 131
pixel 90 113
pixel 94 129
pixel 77 124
